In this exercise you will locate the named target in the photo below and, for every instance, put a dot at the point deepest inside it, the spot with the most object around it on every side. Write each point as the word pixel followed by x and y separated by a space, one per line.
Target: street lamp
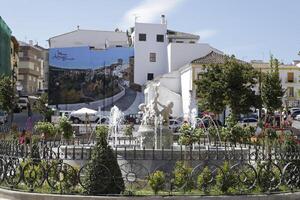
pixel 57 85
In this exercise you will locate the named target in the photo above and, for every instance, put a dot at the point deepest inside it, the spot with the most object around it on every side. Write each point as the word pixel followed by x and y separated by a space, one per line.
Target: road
pixel 21 118
pixel 296 124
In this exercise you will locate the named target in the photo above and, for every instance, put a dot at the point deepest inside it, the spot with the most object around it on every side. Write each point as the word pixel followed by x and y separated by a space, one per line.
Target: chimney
pixel 163 19
pixel 31 42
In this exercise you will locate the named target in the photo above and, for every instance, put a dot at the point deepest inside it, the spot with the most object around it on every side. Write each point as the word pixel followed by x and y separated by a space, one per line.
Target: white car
pixel 293 109
pixel 297 117
pixel 3 117
pixel 23 102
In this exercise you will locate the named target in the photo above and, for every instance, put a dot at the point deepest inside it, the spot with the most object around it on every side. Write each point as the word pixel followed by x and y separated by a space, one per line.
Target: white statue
pixel 152 110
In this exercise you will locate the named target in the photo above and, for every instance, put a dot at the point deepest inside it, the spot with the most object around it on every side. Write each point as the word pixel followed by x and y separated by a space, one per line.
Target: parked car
pixel 207 123
pixel 249 121
pixel 23 102
pixel 297 117
pixel 295 113
pixel 17 109
pixel 3 117
pixel 294 109
pixel 65 113
pixel 133 118
pixel 174 125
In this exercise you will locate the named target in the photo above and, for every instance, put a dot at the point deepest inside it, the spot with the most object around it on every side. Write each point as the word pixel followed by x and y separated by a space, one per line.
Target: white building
pixel 178 86
pixel 93 38
pixel 158 50
pixel 150 51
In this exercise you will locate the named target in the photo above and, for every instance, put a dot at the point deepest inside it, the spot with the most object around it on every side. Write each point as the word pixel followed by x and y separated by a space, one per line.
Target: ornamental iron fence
pixel 61 167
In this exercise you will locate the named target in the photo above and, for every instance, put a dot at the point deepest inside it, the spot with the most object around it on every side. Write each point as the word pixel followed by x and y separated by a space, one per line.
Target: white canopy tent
pixel 85 111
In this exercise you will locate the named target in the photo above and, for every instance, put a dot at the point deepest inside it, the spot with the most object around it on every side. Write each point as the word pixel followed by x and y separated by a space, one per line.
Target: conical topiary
pixel 103 174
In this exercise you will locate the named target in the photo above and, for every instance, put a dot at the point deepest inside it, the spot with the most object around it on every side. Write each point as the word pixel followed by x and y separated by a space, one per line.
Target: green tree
pixel 98 181
pixel 271 89
pixel 7 95
pixel 45 128
pixel 210 89
pixel 41 106
pixel 228 84
pixel 240 79
pixel 65 127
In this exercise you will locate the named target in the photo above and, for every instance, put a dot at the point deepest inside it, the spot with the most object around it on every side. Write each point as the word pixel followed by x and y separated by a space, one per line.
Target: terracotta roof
pixel 213 58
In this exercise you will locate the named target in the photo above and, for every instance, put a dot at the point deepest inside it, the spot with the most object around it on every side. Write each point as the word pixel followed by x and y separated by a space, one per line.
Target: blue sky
pixel 250 29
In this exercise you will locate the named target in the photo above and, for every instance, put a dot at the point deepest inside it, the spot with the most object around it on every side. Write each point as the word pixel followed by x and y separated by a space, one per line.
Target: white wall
pixel 171 81
pixel 186 88
pixel 142 50
pixel 165 95
pixel 180 54
pixel 94 38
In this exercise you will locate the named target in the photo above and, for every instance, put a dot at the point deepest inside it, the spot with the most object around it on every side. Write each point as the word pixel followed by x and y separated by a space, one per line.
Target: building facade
pixel 150 51
pixel 290 80
pixel 30 68
pixel 5 48
pixel 14 58
pixel 93 38
pixel 158 50
pixel 44 79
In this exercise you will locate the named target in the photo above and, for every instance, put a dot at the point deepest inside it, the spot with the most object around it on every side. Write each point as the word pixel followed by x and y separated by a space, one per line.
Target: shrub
pixel 187 135
pixel 225 181
pixel 199 133
pixel 249 131
pixel 96 182
pixel 204 179
pixel 213 132
pixel 128 130
pixel 157 181
pixel 182 178
pixel 45 128
pixel 65 127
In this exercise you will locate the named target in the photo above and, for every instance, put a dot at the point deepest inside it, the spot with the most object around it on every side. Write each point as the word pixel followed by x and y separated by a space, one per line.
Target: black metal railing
pixel 214 168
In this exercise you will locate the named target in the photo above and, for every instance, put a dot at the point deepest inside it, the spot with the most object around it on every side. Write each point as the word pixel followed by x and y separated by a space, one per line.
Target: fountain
pixel 155 121
pixel 115 120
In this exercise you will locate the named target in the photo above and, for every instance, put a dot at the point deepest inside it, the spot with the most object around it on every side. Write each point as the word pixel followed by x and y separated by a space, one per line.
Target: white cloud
pixel 148 11
pixel 206 33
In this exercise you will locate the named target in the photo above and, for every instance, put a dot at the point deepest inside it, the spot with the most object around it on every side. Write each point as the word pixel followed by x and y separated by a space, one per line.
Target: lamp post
pixel 57 86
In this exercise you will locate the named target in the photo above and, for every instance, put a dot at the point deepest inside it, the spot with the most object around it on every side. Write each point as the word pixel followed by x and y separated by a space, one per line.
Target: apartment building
pixel 290 80
pixel 44 79
pixel 14 58
pixel 30 68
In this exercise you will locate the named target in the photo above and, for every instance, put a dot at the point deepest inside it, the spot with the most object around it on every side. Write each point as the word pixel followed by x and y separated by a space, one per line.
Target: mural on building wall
pixel 85 74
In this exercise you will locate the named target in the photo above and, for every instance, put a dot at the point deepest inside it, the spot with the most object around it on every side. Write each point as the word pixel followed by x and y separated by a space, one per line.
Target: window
pixel 152 57
pixel 179 41
pixel 290 92
pixel 150 76
pixel 142 37
pixel 192 42
pixel 290 76
pixel 160 38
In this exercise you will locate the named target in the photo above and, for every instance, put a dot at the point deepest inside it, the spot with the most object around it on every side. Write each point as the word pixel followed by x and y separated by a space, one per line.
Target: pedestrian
pixel 22 137
pixel 29 110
